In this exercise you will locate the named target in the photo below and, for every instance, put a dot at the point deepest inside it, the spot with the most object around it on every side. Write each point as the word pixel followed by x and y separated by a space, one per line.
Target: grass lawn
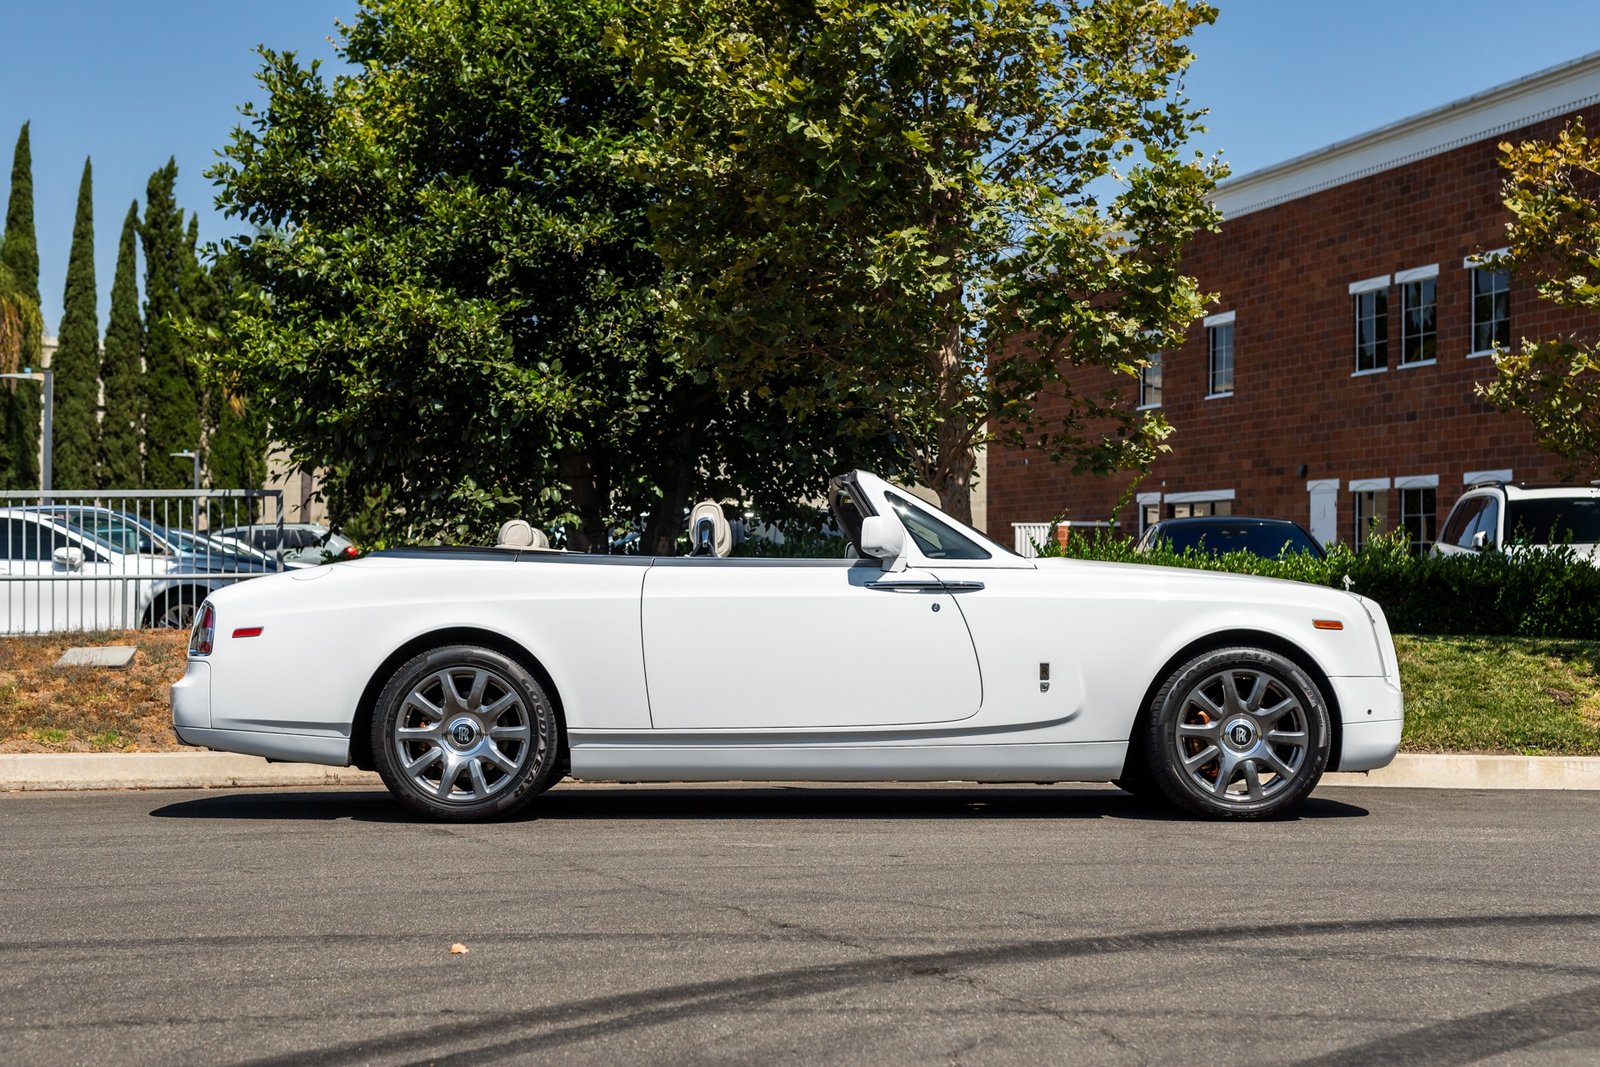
pixel 1501 694
pixel 1463 694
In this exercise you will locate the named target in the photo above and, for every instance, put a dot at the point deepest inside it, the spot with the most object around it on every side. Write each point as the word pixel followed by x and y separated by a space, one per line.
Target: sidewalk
pixel 221 770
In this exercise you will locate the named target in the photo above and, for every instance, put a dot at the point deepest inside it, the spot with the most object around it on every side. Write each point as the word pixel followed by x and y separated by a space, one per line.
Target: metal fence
pixel 128 559
pixel 1029 537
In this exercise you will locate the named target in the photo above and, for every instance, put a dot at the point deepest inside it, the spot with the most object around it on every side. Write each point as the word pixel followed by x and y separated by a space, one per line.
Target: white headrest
pixel 519 534
pixel 721 535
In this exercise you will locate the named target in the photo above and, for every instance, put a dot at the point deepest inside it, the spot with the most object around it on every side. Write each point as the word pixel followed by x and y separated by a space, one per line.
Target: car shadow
pixel 584 803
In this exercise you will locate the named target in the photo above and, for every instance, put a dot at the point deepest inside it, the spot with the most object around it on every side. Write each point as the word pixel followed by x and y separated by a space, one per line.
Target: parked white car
pixel 55 577
pixel 472 679
pixel 1494 516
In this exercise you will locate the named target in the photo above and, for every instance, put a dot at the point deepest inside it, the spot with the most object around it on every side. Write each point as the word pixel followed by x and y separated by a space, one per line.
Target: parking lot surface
pixel 877 925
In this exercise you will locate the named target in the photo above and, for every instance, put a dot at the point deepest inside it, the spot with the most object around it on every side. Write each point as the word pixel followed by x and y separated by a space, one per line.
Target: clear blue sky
pixel 131 84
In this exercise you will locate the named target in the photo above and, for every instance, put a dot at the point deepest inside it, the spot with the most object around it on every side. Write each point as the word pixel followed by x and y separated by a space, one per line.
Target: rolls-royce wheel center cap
pixel 1241 734
pixel 463 732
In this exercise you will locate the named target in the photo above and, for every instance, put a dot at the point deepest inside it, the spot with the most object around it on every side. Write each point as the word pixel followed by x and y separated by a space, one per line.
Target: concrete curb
pixel 222 770
pixel 1458 770
pixel 164 770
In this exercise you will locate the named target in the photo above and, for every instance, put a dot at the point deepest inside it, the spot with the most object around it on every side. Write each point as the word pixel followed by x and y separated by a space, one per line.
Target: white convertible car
pixel 473 679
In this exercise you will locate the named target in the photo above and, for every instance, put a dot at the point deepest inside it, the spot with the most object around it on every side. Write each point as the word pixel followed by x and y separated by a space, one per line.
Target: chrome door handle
pixel 907 587
pixel 925 587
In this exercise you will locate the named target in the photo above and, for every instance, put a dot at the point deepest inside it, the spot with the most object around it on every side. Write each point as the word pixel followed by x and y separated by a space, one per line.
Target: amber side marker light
pixel 247 631
pixel 1321 624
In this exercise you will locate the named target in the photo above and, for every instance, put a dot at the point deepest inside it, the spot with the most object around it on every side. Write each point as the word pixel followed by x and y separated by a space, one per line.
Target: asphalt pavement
pixel 877 925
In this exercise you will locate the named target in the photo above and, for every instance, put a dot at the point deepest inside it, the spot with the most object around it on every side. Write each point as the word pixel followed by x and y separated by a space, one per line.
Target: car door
pixel 758 645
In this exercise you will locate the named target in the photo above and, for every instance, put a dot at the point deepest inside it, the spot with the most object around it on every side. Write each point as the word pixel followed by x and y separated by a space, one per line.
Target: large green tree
pixel 454 313
pixel 19 316
pixel 236 439
pixel 1553 192
pixel 20 401
pixel 77 359
pixel 122 370
pixel 935 210
pixel 171 386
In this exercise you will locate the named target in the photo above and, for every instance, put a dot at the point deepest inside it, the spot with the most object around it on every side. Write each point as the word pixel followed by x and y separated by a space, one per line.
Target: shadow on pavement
pixel 834 803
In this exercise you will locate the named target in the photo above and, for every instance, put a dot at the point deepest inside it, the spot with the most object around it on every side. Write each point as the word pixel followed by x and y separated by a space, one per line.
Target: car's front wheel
pixel 176 609
pixel 465 733
pixel 1238 733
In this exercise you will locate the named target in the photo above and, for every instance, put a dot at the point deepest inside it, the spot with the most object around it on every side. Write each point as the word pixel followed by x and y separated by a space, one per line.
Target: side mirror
pixel 882 538
pixel 68 558
pixel 1480 540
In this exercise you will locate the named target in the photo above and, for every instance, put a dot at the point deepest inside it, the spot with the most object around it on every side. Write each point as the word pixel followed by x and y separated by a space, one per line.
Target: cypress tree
pixel 122 371
pixel 20 402
pixel 172 411
pixel 77 360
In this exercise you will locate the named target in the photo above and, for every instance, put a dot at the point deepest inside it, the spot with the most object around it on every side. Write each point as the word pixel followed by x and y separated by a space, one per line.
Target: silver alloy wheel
pixel 178 614
pixel 1242 735
pixel 463 734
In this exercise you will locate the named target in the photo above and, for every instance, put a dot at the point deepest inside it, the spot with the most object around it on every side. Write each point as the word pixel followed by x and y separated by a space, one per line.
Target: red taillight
pixel 247 631
pixel 204 632
pixel 350 552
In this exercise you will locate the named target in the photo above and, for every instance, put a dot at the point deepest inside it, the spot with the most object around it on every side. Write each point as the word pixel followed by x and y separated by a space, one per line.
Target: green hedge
pixel 1553 593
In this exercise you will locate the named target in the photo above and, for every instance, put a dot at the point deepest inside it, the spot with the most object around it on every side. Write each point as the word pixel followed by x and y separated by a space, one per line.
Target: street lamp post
pixel 193 455
pixel 46 471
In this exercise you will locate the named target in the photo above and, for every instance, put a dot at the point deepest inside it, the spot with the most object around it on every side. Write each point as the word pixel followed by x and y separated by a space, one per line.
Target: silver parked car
pixel 301 542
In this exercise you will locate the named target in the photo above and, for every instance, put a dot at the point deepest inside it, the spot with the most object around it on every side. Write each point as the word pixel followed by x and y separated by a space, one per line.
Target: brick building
pixel 1332 379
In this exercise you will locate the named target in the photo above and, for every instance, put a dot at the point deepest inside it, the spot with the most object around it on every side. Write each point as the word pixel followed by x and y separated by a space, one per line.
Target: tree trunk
pixel 589 497
pixel 667 519
pixel 952 470
pixel 956 463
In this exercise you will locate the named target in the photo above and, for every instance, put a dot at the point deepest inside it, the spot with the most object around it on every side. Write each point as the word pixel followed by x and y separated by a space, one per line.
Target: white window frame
pixel 1156 364
pixel 1161 500
pixel 1211 324
pixel 1404 279
pixel 1472 264
pixel 1142 501
pixel 1203 496
pixel 1360 289
pixel 1358 523
pixel 1413 483
pixel 1473 477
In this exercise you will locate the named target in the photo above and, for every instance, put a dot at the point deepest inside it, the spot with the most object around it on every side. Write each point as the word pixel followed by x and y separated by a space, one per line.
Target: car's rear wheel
pixel 465 733
pixel 1240 733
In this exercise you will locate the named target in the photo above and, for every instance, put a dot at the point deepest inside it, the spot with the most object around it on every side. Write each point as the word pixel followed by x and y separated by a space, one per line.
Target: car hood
pixel 1184 582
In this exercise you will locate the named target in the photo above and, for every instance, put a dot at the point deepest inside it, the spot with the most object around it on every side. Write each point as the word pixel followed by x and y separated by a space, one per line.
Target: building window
pixel 1199 509
pixel 1150 383
pixel 1419 516
pixel 1149 515
pixel 1372 330
pixel 1369 506
pixel 1418 323
pixel 1491 309
pixel 1221 380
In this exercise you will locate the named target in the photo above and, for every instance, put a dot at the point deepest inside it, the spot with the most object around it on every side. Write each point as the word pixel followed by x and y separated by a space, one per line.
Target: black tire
pixel 1136 775
pixel 176 609
pixel 1138 786
pixel 474 715
pixel 1253 754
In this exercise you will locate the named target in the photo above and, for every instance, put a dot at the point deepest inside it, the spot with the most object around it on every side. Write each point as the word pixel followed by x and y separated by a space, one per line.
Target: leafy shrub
pixel 1546 593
